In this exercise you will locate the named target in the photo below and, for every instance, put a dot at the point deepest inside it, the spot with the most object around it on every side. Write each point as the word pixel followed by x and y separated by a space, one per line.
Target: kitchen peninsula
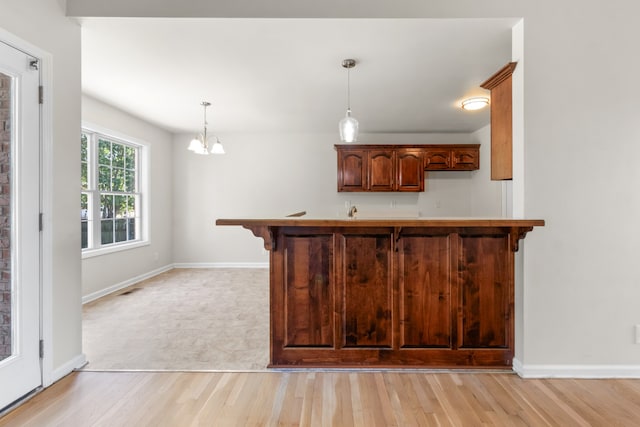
pixel 405 292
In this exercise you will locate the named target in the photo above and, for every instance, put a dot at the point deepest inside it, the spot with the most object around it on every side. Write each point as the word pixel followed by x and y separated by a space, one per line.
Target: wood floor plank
pixel 327 399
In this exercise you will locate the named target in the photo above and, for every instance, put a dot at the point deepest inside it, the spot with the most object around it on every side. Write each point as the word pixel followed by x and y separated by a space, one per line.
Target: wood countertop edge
pixel 391 222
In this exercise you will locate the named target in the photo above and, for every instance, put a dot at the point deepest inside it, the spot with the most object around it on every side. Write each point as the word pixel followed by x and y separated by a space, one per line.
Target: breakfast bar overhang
pixel 391 292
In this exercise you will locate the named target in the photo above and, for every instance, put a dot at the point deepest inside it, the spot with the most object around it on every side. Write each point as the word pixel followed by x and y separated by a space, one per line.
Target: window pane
pixel 121 206
pixel 117 153
pixel 84 176
pixel 106 206
pixel 131 206
pixel 121 230
pixel 104 178
pixel 117 180
pixel 130 180
pixel 132 228
pixel 84 148
pixel 104 152
pixel 130 158
pixel 85 234
pixel 84 206
pixel 106 235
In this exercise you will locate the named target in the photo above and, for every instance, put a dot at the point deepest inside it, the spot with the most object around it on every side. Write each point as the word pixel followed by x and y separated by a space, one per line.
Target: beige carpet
pixel 184 319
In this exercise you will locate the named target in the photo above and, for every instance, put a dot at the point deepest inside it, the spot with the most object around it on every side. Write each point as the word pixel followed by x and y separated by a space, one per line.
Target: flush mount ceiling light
pixel 200 144
pixel 348 126
pixel 476 103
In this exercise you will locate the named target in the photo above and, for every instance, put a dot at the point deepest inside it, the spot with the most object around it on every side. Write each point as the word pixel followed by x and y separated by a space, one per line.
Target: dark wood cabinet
pixel 384 296
pixel 352 170
pixel 399 167
pixel 466 159
pixel 501 122
pixel 381 170
pixel 390 293
pixel 436 159
pixel 409 170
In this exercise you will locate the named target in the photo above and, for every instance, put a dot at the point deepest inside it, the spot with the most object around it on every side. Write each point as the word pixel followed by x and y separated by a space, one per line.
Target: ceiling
pixel 285 75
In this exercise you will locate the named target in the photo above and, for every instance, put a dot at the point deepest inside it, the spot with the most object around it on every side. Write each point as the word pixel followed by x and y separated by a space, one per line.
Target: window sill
pixel 90 253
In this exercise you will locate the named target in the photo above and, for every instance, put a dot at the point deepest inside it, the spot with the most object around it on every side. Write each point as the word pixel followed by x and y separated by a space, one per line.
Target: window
pixel 111 197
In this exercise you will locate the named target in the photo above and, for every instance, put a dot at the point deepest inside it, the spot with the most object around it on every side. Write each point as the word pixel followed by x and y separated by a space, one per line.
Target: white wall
pixel 485 196
pixel 42 24
pixel 105 271
pixel 266 175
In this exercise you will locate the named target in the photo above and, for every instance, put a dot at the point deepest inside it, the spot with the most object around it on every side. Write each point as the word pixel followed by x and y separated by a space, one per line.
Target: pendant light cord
pixel 349 90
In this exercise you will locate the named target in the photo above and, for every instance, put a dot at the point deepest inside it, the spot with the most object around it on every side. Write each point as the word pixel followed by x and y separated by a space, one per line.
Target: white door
pixel 20 370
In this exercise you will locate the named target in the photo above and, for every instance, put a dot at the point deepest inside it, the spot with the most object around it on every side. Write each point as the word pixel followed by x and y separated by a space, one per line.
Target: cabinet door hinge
pixel 41 349
pixel 40 95
pixel 40 221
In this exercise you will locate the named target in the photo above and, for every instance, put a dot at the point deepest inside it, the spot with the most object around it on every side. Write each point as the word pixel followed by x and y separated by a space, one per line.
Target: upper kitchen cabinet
pixel 465 158
pixel 352 170
pixel 399 167
pixel 381 166
pixel 410 170
pixel 501 122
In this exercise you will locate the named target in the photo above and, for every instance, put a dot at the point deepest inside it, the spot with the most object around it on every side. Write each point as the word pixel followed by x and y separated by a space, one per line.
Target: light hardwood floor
pixel 328 399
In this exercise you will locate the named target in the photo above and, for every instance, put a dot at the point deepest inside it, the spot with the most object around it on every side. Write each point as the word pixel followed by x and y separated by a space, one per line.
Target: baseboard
pixel 222 265
pixel 576 371
pixel 77 362
pixel 111 289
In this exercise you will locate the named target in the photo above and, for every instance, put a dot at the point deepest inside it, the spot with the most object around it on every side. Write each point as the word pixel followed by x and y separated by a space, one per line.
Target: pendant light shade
pixel 200 144
pixel 217 148
pixel 348 126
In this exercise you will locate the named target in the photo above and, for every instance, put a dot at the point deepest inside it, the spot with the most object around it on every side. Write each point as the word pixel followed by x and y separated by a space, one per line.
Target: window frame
pixel 96 248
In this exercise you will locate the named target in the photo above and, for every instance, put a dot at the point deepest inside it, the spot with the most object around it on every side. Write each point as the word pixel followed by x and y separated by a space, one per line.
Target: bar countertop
pixel 380 222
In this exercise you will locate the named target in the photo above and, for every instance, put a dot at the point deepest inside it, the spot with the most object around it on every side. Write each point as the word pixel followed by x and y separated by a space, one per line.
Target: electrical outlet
pixel 637 334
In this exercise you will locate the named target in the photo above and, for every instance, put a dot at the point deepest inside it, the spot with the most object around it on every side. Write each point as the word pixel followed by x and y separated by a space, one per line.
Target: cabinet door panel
pixel 309 289
pixel 410 170
pixel 438 159
pixel 381 170
pixel 485 267
pixel 368 289
pixel 465 159
pixel 425 291
pixel 352 170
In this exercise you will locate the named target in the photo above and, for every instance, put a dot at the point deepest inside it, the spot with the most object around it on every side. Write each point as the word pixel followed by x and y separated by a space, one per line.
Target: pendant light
pixel 348 125
pixel 200 144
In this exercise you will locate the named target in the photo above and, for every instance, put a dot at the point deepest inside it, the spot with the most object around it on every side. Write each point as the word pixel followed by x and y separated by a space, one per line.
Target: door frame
pixel 46 201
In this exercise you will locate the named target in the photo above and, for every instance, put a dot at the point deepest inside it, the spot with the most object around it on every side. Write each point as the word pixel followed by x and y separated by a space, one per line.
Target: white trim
pixel 576 371
pixel 46 208
pixel 144 191
pixel 111 289
pixel 46 189
pixel 104 250
pixel 76 363
pixel 221 265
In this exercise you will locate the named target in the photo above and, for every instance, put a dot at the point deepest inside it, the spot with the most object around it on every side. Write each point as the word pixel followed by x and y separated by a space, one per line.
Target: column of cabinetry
pixel 501 122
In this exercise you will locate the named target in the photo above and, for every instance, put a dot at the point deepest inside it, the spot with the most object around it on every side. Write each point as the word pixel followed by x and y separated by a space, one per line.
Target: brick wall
pixel 5 218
